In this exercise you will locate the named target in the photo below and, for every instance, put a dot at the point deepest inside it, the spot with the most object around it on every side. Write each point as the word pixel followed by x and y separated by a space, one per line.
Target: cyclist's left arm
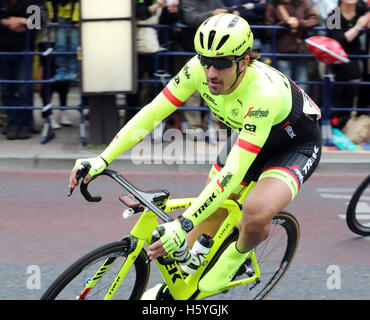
pixel 251 139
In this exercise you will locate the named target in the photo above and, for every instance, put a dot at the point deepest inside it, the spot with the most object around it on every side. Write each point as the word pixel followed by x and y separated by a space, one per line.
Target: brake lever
pixel 78 177
pixel 70 191
pixel 82 171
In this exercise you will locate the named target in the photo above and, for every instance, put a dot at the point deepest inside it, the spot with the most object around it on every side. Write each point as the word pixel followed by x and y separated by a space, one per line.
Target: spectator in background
pixel 327 7
pixel 66 38
pixel 147 12
pixel 171 15
pixel 65 12
pixel 299 16
pixel 45 41
pixel 13 28
pixel 353 18
pixel 254 12
pixel 196 11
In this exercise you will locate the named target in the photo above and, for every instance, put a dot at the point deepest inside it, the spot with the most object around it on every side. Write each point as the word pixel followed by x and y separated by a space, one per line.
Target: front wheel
pixel 356 217
pixel 108 260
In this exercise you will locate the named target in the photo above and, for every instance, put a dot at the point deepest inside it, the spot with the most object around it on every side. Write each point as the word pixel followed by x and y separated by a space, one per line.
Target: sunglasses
pixel 217 63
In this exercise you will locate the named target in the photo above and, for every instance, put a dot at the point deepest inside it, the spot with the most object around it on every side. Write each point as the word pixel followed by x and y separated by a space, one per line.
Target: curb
pixel 330 162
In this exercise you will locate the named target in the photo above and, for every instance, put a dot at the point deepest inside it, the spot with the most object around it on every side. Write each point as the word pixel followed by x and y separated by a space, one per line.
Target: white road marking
pixel 362 208
pixel 339 190
pixel 335 196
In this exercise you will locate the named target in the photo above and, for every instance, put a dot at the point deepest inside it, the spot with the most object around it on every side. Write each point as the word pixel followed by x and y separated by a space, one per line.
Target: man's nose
pixel 212 72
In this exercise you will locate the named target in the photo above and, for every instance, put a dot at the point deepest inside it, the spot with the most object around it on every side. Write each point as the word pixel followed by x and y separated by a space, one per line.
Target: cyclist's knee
pixel 256 217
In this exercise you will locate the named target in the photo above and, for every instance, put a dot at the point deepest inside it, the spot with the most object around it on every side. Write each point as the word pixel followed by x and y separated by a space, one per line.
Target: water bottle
pixel 198 253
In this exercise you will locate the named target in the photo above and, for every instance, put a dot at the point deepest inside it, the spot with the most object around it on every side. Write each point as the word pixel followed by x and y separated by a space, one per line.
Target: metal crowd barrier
pixel 162 76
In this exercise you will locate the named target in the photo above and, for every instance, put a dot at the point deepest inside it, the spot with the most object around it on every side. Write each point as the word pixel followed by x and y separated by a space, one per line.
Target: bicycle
pixel 122 269
pixel 358 205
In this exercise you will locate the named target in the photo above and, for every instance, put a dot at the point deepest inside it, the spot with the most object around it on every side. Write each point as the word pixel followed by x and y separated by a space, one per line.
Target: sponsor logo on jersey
pixel 250 127
pixel 288 129
pixel 297 170
pixel 176 79
pixel 186 72
pixel 205 205
pixel 224 181
pixel 235 112
pixel 257 113
pixel 290 132
pixel 209 98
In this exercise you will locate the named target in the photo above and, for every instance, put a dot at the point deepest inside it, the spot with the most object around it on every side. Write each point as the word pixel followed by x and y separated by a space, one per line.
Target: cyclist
pixel 276 141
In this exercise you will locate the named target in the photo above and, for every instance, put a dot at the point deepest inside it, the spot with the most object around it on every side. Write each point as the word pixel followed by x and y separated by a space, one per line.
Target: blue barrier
pixel 326 84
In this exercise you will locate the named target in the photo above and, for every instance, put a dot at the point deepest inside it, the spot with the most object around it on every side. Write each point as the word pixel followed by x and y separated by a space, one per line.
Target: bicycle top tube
pixel 147 199
pixel 245 192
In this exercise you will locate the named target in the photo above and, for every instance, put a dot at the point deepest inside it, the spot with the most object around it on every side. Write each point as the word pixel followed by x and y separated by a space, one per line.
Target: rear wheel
pixel 358 210
pixel 274 256
pixel 71 283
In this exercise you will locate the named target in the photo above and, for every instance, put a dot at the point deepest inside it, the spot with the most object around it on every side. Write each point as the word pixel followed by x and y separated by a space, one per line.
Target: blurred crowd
pixel 62 35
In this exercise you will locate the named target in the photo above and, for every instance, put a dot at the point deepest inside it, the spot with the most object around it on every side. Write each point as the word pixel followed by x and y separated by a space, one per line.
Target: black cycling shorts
pixel 293 164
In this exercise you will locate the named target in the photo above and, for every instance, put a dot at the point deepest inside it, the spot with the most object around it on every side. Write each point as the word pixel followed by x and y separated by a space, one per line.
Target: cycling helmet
pixel 222 35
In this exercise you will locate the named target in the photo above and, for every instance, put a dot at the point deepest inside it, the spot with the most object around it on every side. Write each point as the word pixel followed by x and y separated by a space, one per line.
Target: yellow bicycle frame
pixel 180 288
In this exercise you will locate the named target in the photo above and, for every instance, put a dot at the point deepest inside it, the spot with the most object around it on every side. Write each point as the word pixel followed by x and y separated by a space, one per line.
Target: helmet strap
pixel 238 73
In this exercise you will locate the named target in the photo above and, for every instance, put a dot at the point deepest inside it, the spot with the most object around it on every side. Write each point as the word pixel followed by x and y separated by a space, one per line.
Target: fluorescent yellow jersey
pixel 267 109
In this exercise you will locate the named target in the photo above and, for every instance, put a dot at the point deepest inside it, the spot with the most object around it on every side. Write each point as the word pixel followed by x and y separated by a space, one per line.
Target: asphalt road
pixel 42 231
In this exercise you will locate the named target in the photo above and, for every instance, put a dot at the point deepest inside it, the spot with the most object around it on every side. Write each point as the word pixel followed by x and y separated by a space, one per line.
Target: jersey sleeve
pixel 166 102
pixel 257 124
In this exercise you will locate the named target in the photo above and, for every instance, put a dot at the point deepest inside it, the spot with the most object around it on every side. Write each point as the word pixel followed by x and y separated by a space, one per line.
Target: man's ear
pixel 244 63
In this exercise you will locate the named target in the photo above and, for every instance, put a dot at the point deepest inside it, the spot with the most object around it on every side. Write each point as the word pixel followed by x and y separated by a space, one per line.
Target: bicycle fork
pixel 130 259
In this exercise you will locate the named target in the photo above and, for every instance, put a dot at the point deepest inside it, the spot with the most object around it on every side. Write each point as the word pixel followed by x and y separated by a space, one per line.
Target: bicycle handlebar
pixel 147 199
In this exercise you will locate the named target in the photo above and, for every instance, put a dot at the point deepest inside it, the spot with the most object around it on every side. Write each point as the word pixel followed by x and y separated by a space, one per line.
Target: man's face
pixel 219 80
pixel 349 1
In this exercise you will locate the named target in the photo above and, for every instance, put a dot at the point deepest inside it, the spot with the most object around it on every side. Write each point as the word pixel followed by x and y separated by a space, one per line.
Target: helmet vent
pixel 201 39
pixel 211 38
pixel 233 22
pixel 222 42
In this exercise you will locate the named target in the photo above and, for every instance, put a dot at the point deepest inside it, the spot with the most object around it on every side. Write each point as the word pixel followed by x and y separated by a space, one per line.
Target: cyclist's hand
pixel 171 236
pixel 97 165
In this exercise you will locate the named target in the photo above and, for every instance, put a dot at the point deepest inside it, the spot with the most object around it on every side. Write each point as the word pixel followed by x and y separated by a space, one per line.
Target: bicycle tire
pixel 353 224
pixel 141 272
pixel 259 291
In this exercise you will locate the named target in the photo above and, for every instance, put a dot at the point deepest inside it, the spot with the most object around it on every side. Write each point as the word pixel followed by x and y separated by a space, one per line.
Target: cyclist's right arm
pixel 181 87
